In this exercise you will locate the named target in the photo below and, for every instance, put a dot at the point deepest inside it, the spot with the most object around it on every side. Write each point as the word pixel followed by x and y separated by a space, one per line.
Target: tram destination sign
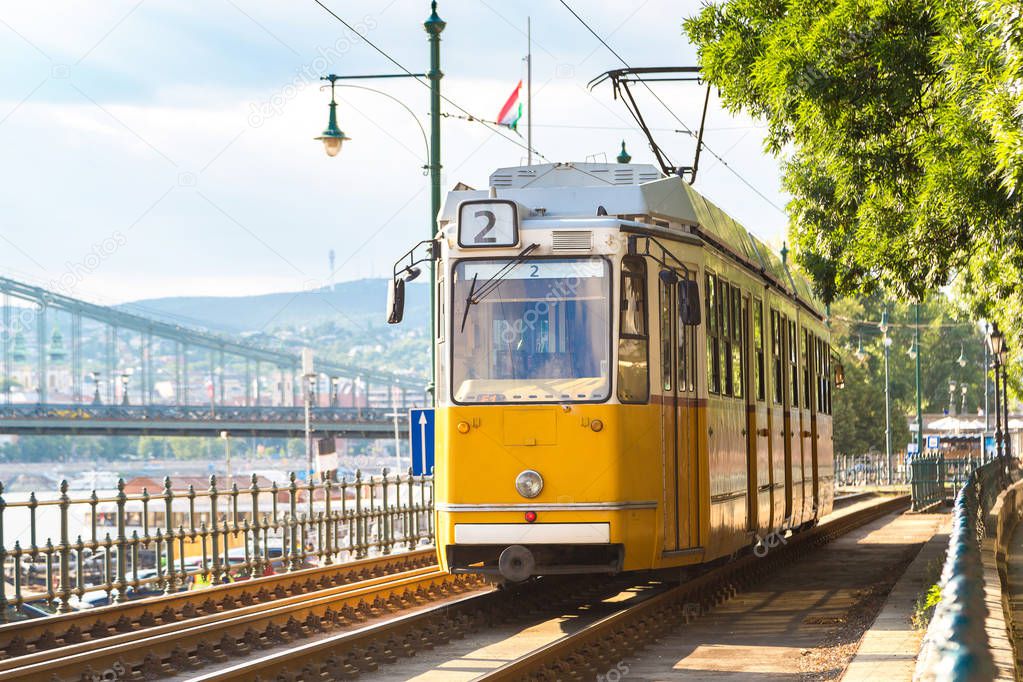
pixel 488 223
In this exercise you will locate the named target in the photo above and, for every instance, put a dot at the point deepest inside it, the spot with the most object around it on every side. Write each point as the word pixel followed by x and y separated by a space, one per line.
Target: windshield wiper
pixel 491 284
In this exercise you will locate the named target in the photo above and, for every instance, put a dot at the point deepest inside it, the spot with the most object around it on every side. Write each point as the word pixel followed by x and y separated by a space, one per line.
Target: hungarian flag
pixel 511 112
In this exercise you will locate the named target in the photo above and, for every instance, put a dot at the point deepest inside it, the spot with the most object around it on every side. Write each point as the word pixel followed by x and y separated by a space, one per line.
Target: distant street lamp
pixel 1003 359
pixel 308 374
pixel 859 354
pixel 227 451
pixel 125 378
pixel 887 343
pixel 951 396
pixel 995 345
pixel 334 383
pixel 96 399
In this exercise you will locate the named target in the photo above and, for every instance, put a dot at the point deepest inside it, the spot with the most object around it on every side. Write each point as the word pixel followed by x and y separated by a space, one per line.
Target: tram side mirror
pixel 689 302
pixel 839 376
pixel 395 300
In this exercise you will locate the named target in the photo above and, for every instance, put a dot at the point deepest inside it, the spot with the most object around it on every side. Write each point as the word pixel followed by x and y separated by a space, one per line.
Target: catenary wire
pixel 670 111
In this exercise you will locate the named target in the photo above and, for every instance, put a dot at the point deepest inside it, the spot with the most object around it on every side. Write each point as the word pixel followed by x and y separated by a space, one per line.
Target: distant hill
pixel 359 302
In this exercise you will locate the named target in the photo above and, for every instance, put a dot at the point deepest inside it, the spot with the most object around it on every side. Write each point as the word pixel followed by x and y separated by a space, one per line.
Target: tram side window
pixel 665 292
pixel 758 348
pixel 440 310
pixel 726 322
pixel 794 362
pixel 806 359
pixel 686 355
pixel 827 373
pixel 738 343
pixel 633 340
pixel 713 347
pixel 776 358
pixel 822 377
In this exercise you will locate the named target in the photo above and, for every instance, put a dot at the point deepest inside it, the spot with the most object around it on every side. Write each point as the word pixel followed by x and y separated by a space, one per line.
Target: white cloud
pixel 266 203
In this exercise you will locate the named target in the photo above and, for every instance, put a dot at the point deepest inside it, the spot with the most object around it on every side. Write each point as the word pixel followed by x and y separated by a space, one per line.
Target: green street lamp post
pixel 1005 401
pixel 887 343
pixel 333 138
pixel 919 401
pixel 996 344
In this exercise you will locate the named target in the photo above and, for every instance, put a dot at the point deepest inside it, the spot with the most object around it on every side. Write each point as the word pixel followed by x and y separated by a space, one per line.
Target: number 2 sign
pixel 488 223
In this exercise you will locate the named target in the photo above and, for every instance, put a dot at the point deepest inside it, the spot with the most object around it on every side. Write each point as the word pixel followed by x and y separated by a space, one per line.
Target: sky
pixel 155 148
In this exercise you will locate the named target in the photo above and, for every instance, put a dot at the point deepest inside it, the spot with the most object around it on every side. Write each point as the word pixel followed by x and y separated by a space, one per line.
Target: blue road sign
pixel 420 422
pixel 933 442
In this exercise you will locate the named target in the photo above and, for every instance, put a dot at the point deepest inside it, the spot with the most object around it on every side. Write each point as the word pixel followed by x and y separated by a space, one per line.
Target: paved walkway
pixel 804 623
pixel 1014 578
pixel 888 649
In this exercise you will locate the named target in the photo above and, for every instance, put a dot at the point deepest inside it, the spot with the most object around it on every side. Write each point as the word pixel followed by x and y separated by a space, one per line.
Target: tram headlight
pixel 529 483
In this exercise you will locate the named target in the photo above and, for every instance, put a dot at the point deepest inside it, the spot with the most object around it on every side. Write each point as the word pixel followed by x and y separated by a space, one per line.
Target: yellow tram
pixel 626 378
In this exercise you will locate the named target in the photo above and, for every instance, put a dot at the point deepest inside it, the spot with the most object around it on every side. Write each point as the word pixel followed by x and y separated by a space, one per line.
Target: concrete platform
pixel 888 649
pixel 804 623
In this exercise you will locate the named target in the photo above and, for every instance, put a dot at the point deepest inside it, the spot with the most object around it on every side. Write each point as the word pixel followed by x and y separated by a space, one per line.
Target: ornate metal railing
pixel 927 480
pixel 136 543
pixel 956 644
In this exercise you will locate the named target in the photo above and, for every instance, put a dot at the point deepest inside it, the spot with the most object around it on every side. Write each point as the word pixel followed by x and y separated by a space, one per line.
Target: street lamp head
pixel 962 356
pixel 887 341
pixel 859 354
pixel 332 137
pixel 884 322
pixel 912 350
pixel 995 340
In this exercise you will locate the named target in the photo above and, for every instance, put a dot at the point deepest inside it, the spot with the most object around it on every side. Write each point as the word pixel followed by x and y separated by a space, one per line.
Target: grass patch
pixel 923 607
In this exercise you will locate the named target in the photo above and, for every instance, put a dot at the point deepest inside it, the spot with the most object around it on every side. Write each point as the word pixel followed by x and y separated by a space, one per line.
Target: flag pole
pixel 529 93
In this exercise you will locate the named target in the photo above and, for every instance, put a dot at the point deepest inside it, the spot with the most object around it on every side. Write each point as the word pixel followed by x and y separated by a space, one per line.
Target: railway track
pixel 42 638
pixel 175 648
pixel 656 607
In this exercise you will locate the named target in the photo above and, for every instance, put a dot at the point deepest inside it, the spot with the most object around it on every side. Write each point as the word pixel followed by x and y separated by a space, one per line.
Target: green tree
pixel 900 126
pixel 945 332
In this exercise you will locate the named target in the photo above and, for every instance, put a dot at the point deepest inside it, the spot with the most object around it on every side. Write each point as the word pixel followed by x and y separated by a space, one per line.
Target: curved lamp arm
pixel 404 106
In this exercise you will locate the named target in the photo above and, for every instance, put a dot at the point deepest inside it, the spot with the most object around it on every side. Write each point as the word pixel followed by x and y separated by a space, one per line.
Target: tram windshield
pixel 540 334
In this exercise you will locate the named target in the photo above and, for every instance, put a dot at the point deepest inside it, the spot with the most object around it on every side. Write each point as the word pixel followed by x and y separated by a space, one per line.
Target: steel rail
pixel 591 649
pixel 348 654
pixel 53 634
pixel 212 639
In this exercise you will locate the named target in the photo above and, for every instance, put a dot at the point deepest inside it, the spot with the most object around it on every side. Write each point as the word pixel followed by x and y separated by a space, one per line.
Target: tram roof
pixel 576 190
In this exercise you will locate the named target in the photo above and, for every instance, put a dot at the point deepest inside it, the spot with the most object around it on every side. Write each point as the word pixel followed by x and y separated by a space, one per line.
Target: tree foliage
pixel 946 335
pixel 900 126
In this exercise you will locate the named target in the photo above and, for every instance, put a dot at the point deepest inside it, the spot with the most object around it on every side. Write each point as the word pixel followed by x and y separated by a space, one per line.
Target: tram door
pixel 678 419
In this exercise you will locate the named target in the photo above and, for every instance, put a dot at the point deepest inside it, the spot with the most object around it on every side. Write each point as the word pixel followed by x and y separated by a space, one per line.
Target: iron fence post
pixel 168 497
pixel 3 560
pixel 293 522
pixel 410 505
pixel 358 515
pixel 32 504
pixel 257 568
pixel 384 518
pixel 65 549
pixel 17 574
pixel 214 531
pixel 80 563
pixel 122 541
pixel 328 529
